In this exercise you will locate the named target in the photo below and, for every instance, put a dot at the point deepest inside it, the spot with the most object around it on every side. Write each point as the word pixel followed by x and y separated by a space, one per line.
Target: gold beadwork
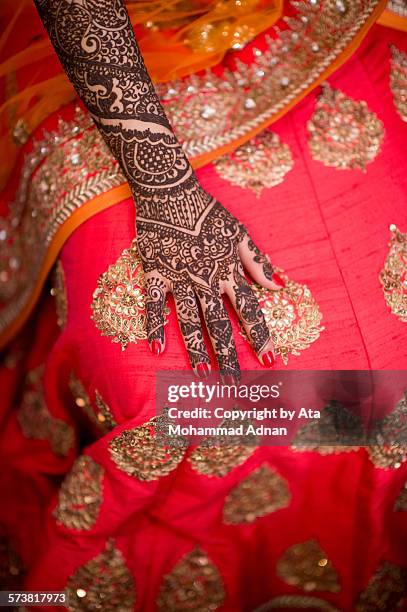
pixel 65 169
pixel 118 301
pixel 386 450
pixel 140 453
pixel 306 566
pixel 401 501
pixel 36 421
pixel 385 590
pixel 343 132
pixel 104 415
pixel 80 495
pixel 59 292
pixel 218 455
pixel 337 431
pixel 398 80
pixel 292 316
pixel 293 602
pixel 393 276
pixel 194 584
pixel 103 583
pixel 262 492
pixel 259 164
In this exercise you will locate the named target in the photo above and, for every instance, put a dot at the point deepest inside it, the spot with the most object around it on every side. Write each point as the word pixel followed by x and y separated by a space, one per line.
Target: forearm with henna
pixel 188 242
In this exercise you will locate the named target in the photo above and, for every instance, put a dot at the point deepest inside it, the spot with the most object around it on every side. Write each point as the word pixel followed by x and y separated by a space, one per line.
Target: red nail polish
pixel 156 347
pixel 268 359
pixel 202 370
pixel 278 280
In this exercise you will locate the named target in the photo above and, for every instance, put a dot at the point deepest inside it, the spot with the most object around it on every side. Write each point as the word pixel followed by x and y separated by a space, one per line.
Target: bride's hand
pixel 197 266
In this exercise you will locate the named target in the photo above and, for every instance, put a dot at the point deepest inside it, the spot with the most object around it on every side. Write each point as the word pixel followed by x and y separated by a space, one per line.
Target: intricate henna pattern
pixel 260 258
pixel 187 241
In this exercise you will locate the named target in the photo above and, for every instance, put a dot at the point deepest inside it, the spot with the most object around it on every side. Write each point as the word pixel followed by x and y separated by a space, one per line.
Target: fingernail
pixel 228 379
pixel 268 359
pixel 278 280
pixel 202 370
pixel 156 347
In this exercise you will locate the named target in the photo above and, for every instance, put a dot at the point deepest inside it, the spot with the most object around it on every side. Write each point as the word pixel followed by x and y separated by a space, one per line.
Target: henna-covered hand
pixel 190 245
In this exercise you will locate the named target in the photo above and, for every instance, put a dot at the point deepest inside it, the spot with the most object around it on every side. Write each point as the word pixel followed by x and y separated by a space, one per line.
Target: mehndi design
pixel 188 242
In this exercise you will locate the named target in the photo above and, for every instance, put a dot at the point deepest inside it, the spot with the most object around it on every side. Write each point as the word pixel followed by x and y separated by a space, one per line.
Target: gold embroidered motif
pixel 64 170
pixel 398 6
pixel 293 602
pixel 118 301
pixel 401 501
pixel 306 566
pixel 385 590
pixel 393 277
pixel 36 421
pixel 398 79
pixel 103 583
pixel 11 566
pixel 292 316
pixel 218 455
pixel 262 492
pixel 104 415
pixel 343 132
pixel 387 450
pixel 59 292
pixel 259 164
pixel 80 495
pixel 193 584
pixel 337 431
pixel 141 453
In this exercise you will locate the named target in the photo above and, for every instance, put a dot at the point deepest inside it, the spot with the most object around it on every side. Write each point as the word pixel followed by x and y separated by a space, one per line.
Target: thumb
pixel 258 265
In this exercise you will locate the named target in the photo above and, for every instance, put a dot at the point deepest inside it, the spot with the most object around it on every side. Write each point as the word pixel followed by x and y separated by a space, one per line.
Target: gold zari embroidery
pixel 292 316
pixel 393 277
pixel 401 502
pixel 36 421
pixel 80 495
pixel 259 164
pixel 118 301
pixel 343 132
pixel 193 584
pixel 104 415
pixel 59 292
pixel 140 453
pixel 385 589
pixel 305 565
pixel 389 449
pixel 103 583
pixel 262 492
pixel 293 602
pixel 218 455
pixel 398 80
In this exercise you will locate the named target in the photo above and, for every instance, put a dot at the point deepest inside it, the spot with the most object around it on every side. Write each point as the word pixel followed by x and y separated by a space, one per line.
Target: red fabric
pixel 325 228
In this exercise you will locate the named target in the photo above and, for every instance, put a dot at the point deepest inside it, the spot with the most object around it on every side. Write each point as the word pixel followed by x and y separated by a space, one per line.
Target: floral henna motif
pixel 260 258
pixel 187 241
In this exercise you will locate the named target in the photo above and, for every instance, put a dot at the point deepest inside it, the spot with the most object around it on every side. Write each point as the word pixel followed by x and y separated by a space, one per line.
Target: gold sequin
pixel 262 492
pixel 292 316
pixel 80 495
pixel 118 301
pixel 218 455
pixel 36 421
pixel 305 565
pixel 103 583
pixel 59 292
pixel 343 132
pixel 66 168
pixel 293 602
pixel 385 590
pixel 81 397
pixel 398 80
pixel 338 430
pixel 388 449
pixel 141 453
pixel 393 276
pixel 401 501
pixel 259 164
pixel 104 415
pixel 194 584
